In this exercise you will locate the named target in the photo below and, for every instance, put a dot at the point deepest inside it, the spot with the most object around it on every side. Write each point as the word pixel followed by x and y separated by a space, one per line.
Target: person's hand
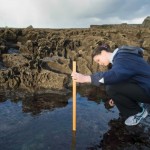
pixel 111 102
pixel 78 77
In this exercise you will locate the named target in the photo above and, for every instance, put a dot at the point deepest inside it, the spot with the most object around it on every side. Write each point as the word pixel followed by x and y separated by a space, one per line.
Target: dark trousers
pixel 126 97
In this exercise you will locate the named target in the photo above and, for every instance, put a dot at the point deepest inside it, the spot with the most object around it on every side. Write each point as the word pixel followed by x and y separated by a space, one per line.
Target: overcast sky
pixel 71 13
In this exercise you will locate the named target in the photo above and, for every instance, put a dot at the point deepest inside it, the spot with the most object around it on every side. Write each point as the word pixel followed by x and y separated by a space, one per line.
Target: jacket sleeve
pixel 120 71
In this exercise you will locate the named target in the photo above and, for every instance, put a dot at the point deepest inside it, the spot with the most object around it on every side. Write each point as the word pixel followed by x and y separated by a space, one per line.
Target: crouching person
pixel 127 82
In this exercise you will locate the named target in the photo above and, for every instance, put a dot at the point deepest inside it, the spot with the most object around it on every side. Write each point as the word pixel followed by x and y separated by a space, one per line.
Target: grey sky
pixel 71 13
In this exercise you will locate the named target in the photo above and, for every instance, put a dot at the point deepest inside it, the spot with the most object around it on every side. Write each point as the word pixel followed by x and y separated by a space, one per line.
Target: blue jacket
pixel 126 66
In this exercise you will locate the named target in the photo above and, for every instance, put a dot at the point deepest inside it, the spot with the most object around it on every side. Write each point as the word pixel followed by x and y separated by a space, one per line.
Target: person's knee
pixel 111 90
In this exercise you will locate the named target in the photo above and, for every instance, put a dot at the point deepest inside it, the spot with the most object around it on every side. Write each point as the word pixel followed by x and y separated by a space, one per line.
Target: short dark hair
pixel 99 48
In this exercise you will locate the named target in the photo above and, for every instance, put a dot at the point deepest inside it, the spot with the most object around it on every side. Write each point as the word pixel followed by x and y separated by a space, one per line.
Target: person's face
pixel 102 59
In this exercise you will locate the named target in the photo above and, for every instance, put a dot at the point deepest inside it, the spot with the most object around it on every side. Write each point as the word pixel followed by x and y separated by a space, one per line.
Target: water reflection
pixel 21 128
pixel 38 103
pixel 2 97
pixel 93 93
pixel 13 50
pixel 73 145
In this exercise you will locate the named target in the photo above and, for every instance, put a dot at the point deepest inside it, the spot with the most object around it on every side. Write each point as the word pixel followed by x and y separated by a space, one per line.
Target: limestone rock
pixel 44 57
pixel 82 66
pixel 15 60
pixel 48 79
pixel 146 22
pixel 9 35
pixel 58 64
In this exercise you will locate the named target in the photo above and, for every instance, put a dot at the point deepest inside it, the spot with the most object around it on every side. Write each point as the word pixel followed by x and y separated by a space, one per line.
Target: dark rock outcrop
pixel 34 59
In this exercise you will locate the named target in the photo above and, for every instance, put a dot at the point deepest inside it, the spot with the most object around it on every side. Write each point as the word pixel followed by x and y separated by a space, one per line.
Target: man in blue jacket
pixel 127 82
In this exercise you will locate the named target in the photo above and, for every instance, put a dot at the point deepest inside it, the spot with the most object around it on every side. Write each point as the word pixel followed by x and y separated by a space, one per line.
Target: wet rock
pixel 123 137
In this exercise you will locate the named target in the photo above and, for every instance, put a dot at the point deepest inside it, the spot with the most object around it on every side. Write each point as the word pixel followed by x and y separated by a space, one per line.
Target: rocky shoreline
pixel 38 60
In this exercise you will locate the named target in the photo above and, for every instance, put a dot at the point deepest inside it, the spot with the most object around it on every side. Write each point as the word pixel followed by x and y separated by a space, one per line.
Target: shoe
pixel 135 119
pixel 141 105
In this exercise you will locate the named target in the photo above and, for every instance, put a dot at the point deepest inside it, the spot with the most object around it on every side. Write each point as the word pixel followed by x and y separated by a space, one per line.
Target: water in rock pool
pixel 44 122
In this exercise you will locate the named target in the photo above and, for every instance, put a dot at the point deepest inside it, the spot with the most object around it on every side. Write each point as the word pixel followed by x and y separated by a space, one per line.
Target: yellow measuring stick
pixel 74 100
